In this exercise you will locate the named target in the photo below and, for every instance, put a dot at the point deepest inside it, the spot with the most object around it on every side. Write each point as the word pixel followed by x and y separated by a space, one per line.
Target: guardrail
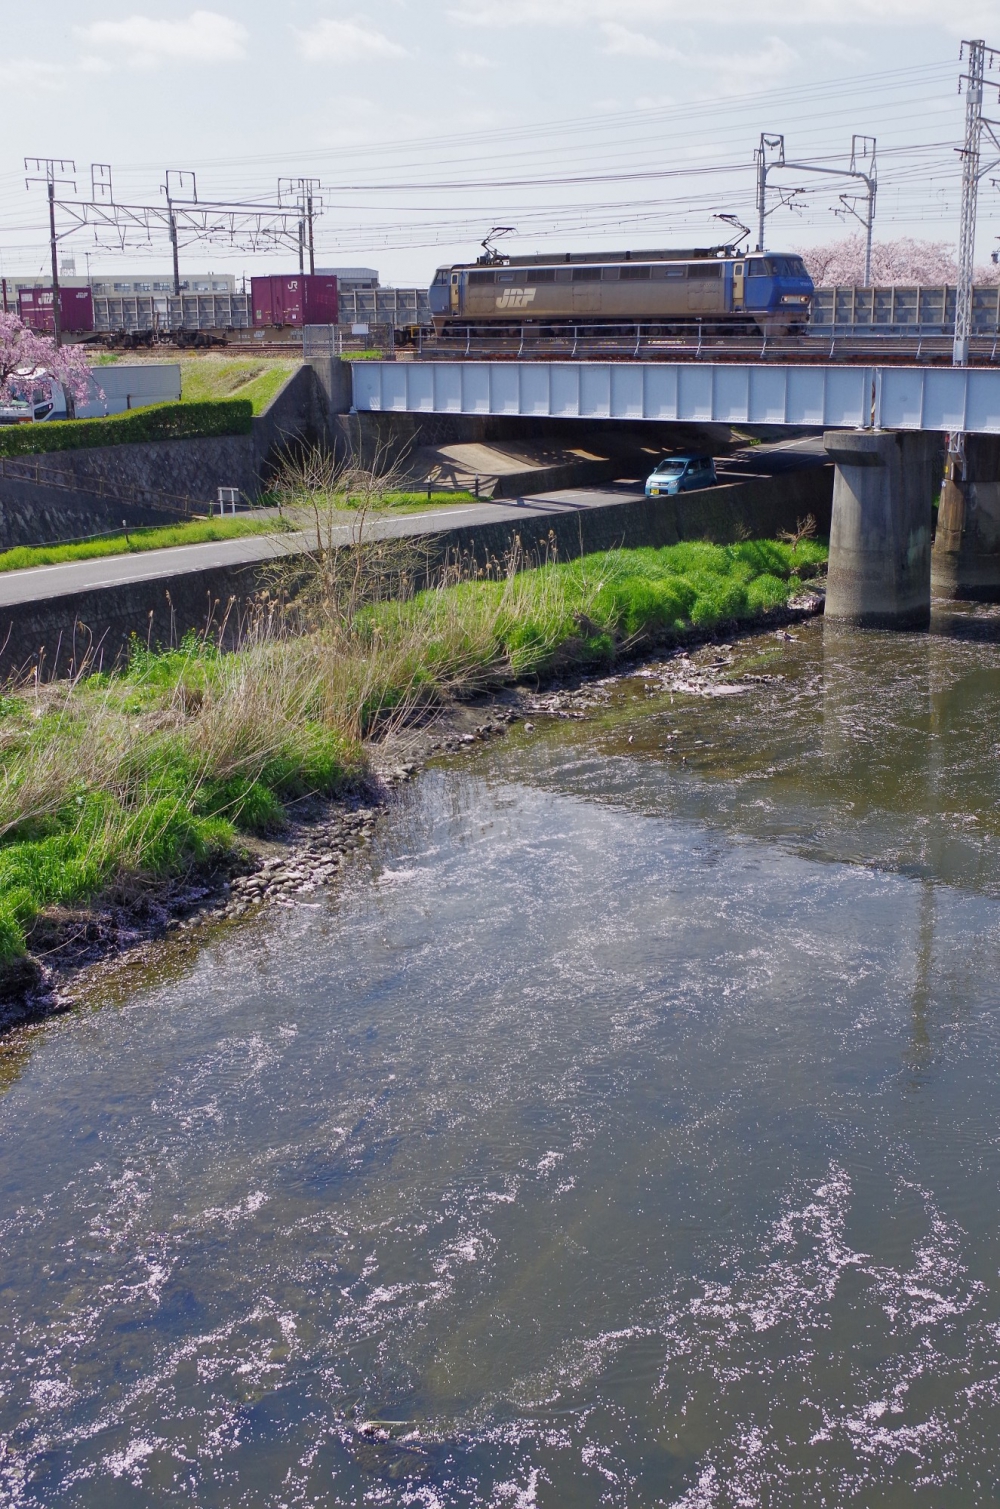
pixel 698 341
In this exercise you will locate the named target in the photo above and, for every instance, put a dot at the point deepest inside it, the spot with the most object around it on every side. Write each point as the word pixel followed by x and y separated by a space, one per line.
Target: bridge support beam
pixel 966 558
pixel 880 535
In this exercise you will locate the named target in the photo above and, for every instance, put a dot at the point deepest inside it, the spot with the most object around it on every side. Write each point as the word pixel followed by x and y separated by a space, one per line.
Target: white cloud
pixel 345 42
pixel 204 36
pixel 473 60
pixel 621 42
pixel 29 75
pixel 556 13
pixel 736 73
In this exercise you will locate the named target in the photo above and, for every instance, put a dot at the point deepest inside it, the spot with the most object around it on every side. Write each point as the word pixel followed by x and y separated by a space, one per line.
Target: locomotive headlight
pixel 795 298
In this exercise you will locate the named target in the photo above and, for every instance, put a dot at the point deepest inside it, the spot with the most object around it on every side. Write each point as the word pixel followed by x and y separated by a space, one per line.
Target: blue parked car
pixel 680 474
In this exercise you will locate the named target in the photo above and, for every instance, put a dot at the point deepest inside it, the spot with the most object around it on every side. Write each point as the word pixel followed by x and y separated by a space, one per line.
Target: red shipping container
pixel 301 299
pixel 76 309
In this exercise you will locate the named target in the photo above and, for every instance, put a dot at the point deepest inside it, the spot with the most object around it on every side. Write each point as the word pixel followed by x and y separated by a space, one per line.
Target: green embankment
pixel 211 378
pixel 121 779
pixel 199 532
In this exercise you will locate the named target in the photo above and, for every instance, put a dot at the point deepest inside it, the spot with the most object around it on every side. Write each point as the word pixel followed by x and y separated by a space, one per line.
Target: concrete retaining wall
pixel 35 514
pixel 55 634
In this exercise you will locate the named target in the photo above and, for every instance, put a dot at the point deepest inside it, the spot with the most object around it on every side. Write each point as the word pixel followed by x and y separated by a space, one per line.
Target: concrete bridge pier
pixel 880 535
pixel 966 558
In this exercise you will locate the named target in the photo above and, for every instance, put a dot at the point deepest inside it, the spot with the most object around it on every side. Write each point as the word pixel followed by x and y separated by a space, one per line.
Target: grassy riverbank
pixel 158 537
pixel 118 781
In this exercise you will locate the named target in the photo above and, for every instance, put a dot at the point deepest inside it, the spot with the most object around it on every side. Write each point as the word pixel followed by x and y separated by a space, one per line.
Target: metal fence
pixel 338 340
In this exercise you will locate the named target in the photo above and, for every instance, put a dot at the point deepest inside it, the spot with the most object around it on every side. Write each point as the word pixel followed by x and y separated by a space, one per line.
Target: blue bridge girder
pixel 949 399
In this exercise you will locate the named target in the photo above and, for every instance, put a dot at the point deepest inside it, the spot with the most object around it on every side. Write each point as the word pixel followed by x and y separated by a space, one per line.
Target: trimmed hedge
pixel 161 421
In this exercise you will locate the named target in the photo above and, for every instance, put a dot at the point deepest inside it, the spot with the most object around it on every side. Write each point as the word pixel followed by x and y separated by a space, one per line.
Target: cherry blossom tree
pixel 29 362
pixel 905 261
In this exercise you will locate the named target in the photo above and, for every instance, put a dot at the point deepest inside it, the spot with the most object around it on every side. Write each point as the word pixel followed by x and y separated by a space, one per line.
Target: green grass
pixel 198 532
pixel 396 502
pixel 124 778
pixel 581 612
pixel 417 502
pixel 214 377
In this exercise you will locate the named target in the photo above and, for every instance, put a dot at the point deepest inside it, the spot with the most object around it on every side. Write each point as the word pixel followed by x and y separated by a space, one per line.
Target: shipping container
pixel 302 299
pixel 76 309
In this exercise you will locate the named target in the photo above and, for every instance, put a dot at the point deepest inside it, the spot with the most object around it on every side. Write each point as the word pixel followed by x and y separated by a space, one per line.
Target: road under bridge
pixel 885 428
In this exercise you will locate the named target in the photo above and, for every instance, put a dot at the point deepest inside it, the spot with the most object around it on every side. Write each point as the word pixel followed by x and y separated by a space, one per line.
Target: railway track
pixel 636 345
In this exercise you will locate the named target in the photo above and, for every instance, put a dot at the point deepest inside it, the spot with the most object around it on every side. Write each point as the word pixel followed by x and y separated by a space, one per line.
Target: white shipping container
pixel 130 387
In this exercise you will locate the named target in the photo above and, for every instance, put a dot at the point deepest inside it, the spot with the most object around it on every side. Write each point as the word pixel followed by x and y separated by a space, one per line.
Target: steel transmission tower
pixel 976 126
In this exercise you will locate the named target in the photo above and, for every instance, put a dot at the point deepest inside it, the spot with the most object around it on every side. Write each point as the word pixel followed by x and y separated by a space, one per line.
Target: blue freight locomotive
pixel 667 290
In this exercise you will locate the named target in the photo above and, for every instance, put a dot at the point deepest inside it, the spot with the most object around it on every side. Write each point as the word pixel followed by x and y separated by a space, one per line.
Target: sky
pixel 580 124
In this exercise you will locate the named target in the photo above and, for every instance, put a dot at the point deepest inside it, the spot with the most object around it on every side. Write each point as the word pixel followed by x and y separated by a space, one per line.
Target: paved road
pixel 45 582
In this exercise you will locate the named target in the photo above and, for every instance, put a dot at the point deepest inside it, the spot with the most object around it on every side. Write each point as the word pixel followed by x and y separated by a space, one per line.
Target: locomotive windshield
pixel 786 267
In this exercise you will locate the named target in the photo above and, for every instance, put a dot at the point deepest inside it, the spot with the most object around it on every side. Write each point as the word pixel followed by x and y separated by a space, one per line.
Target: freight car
pixel 303 299
pixel 665 289
pixel 76 310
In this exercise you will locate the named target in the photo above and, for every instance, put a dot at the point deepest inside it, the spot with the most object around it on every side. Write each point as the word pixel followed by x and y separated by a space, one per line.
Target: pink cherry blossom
pixel 29 362
pixel 903 262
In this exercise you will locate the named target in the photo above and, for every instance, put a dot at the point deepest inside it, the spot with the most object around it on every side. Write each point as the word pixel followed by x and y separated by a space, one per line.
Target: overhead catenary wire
pixel 553 178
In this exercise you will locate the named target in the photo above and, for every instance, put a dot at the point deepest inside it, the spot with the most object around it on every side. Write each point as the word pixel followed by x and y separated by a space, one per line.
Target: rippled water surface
pixel 623 1132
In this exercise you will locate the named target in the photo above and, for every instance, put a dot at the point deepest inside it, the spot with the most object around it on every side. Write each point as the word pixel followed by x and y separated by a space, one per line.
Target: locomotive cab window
pixel 756 268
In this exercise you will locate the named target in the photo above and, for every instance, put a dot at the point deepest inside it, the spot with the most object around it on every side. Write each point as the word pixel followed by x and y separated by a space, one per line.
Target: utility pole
pixel 863 149
pixel 773 144
pixel 50 171
pixel 183 180
pixel 309 205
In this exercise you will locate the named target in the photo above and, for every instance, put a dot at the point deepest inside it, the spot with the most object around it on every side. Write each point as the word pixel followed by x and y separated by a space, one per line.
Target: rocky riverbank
pixel 322 835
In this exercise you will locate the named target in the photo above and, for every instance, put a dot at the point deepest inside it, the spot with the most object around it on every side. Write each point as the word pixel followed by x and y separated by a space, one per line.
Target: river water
pixel 623 1130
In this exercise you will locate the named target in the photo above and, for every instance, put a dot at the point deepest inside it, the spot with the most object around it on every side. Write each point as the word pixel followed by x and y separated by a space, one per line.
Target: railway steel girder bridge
pixel 884 427
pixel 965 399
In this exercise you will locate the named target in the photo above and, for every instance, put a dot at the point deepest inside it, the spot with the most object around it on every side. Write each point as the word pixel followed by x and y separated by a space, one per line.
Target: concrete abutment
pixel 880 534
pixel 966 557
